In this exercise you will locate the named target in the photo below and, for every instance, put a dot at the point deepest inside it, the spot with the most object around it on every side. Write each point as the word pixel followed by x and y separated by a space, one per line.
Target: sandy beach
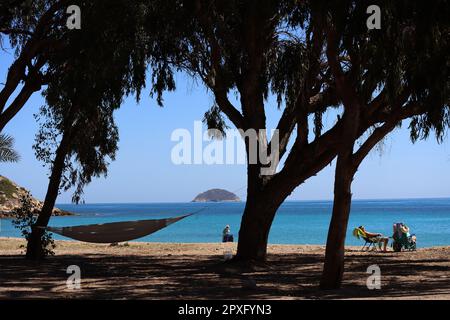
pixel 197 271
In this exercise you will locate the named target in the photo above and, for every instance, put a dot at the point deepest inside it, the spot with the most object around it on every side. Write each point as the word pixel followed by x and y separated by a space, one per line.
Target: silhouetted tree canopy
pixel 313 56
pixel 316 57
pixel 100 64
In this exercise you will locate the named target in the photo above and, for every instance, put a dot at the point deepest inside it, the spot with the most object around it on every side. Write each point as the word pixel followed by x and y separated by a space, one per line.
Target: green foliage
pixel 215 122
pixel 23 17
pixel 24 219
pixel 100 65
pixel 407 56
pixel 250 48
pixel 7 152
pixel 183 43
pixel 7 188
pixel 288 69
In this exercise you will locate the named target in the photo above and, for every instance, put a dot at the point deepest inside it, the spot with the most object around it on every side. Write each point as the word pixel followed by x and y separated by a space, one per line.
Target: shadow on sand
pixel 188 277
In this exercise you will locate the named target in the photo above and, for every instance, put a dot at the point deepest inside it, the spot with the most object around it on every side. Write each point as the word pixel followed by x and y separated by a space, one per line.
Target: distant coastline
pixel 11 195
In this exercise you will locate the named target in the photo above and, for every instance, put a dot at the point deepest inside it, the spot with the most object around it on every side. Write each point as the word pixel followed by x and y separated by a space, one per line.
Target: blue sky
pixel 144 172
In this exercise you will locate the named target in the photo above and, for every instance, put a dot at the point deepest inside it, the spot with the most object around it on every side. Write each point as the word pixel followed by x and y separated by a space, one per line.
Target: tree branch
pixel 228 109
pixel 17 104
pixel 377 135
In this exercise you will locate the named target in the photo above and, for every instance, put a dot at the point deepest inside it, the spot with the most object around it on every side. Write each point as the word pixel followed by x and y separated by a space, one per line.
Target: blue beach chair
pixel 402 240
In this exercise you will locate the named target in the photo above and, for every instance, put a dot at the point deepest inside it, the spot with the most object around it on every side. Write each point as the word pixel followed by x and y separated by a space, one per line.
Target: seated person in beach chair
pixel 226 235
pixel 370 238
pixel 402 238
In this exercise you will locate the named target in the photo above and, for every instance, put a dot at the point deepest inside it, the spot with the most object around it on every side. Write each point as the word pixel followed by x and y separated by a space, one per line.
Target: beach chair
pixel 369 241
pixel 402 240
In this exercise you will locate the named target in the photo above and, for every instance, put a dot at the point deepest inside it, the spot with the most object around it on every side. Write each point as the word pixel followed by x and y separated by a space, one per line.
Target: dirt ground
pixel 198 271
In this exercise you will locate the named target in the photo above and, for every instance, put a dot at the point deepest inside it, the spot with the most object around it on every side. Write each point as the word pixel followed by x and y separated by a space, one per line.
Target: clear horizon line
pixel 295 200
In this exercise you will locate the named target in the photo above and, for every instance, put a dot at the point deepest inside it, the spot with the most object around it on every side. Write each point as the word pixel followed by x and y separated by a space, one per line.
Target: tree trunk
pixel 259 212
pixel 34 247
pixel 254 231
pixel 334 255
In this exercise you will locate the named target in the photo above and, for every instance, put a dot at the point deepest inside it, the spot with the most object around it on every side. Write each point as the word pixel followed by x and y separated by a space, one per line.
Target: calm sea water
pixel 297 222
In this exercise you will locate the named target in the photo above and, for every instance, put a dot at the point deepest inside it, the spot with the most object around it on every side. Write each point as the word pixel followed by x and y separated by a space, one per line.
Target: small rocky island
pixel 10 195
pixel 216 195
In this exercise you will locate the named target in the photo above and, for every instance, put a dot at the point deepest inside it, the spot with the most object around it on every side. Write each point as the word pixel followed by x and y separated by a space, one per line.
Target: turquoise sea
pixel 297 222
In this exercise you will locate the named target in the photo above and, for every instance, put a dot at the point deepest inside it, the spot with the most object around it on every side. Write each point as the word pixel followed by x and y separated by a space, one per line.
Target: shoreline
pixel 170 245
pixel 287 245
pixel 56 213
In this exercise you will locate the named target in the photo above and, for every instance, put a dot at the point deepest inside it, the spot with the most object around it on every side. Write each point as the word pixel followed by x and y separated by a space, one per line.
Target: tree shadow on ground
pixel 293 276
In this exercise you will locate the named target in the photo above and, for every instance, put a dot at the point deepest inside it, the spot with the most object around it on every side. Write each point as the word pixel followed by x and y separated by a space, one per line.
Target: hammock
pixel 115 231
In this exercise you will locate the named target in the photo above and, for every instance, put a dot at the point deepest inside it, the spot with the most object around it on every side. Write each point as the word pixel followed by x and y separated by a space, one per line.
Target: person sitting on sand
pixel 226 234
pixel 384 240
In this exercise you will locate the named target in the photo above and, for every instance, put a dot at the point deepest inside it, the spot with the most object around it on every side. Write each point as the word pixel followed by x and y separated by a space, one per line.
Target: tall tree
pixel 252 49
pixel 257 48
pixel 401 70
pixel 102 63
